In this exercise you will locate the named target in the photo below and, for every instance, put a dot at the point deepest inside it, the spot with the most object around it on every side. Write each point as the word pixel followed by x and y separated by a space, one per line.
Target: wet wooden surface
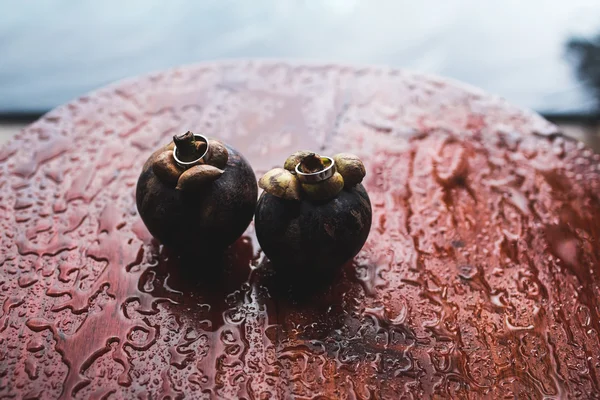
pixel 584 131
pixel 479 278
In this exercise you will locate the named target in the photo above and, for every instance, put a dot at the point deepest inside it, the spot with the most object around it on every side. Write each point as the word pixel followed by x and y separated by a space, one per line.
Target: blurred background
pixel 539 54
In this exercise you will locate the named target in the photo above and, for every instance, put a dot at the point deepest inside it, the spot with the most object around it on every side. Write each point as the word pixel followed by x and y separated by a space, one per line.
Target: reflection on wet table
pixel 479 276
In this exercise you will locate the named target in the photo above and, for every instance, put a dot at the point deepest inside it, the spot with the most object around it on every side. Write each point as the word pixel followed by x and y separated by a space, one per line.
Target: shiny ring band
pixel 189 164
pixel 315 177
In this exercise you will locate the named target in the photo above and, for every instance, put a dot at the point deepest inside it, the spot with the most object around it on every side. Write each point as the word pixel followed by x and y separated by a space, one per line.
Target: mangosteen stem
pixel 186 143
pixel 312 163
pixel 188 149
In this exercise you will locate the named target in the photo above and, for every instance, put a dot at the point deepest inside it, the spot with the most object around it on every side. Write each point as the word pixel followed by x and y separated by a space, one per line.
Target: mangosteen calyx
pixel 281 183
pixel 284 182
pixel 209 167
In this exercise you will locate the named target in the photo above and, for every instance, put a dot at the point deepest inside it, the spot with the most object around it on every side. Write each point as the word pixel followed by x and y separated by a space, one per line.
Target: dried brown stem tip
pixel 294 159
pixel 188 148
pixel 311 163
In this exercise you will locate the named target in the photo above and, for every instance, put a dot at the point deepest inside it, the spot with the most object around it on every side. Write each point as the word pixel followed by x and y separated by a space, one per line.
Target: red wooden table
pixel 479 278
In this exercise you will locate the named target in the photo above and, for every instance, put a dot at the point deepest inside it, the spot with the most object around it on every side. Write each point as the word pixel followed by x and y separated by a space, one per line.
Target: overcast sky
pixel 58 50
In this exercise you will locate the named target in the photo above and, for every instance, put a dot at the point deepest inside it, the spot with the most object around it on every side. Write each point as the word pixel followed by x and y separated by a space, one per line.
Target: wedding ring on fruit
pixel 199 160
pixel 319 176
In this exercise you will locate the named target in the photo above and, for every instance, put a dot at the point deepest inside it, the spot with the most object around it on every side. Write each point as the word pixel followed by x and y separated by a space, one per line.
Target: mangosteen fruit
pixel 314 214
pixel 196 194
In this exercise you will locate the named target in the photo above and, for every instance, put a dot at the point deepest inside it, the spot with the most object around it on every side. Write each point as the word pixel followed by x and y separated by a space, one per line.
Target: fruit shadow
pixel 306 306
pixel 197 287
pixel 201 289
